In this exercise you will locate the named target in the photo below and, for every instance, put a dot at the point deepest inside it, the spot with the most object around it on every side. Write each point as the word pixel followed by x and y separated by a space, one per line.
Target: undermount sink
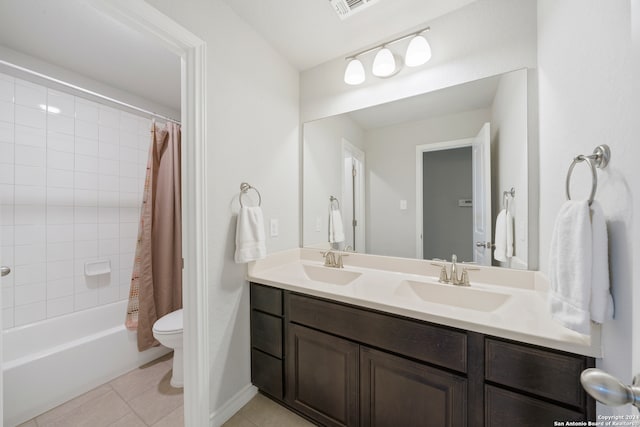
pixel 334 276
pixel 451 295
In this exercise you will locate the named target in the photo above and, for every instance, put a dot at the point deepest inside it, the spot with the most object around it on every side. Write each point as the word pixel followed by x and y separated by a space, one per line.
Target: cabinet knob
pixel 4 271
pixel 607 389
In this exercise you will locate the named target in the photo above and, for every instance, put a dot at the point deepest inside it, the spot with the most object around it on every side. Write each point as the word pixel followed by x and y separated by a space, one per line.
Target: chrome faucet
pixel 452 276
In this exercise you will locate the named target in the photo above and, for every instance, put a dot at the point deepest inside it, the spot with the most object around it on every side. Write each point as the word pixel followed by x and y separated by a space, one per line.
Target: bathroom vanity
pixel 341 363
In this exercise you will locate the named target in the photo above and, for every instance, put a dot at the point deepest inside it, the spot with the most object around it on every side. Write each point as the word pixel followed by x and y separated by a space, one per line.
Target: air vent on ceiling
pixel 346 8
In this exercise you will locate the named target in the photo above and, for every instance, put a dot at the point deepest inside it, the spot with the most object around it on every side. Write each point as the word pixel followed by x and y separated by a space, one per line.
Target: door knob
pixel 4 271
pixel 607 389
pixel 487 245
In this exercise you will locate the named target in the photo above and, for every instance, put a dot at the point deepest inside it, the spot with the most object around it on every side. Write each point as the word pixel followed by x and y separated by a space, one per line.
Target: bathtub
pixel 47 363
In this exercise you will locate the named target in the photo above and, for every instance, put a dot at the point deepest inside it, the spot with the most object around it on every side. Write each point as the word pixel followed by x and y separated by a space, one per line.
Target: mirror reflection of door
pixel 454 193
pixel 353 199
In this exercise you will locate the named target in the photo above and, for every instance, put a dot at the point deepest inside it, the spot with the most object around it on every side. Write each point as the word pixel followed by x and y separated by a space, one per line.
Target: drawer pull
pixel 607 389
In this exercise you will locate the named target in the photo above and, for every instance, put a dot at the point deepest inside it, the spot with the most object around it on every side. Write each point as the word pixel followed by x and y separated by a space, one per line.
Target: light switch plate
pixel 274 227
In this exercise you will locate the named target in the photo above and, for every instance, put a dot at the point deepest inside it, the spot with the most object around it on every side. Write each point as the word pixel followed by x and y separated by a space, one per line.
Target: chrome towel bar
pixel 244 188
pixel 599 159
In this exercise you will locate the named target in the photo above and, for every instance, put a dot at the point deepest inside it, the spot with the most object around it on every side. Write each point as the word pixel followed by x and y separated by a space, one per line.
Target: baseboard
pixel 233 405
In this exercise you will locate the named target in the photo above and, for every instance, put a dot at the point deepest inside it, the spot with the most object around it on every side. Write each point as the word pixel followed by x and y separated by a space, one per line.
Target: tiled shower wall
pixel 71 178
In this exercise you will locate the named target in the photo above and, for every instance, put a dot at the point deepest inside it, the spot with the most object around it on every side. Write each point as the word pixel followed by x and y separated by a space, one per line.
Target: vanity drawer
pixel 266 333
pixel 437 345
pixel 266 298
pixel 266 373
pixel 546 373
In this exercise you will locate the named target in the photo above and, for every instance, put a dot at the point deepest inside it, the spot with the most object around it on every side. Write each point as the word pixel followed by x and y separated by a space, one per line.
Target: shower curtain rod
pixel 87 91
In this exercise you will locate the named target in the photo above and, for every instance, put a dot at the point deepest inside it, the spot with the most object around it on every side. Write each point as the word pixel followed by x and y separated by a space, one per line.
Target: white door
pixel 353 205
pixel 481 161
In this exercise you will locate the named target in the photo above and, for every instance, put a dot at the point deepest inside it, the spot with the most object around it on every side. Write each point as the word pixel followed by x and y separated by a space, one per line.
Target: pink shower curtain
pixel 156 281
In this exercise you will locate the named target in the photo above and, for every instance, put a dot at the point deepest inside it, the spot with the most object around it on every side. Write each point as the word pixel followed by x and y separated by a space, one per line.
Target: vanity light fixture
pixel 384 63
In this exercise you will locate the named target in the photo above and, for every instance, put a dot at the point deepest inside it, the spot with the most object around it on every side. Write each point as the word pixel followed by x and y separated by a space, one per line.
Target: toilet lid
pixel 170 323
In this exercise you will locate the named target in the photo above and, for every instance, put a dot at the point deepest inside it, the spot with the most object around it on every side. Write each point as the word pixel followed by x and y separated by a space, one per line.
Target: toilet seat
pixel 169 324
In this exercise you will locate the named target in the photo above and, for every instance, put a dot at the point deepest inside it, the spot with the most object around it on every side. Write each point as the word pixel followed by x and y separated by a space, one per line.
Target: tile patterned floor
pixel 264 412
pixel 142 397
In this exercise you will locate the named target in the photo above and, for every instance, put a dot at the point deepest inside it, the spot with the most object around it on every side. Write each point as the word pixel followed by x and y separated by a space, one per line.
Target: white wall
pixel 509 139
pixel 322 168
pixel 391 176
pixel 588 79
pixel 253 136
pixel 482 39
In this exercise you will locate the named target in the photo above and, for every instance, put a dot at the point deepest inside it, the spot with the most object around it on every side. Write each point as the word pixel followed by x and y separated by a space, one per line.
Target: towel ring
pixel 244 188
pixel 599 159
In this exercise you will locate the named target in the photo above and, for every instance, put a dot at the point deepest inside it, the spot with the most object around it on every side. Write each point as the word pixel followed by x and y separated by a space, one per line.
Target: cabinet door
pixel 322 376
pixel 399 392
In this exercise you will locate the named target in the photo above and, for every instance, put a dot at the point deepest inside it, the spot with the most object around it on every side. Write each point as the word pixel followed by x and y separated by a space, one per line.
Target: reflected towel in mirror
pixel 336 228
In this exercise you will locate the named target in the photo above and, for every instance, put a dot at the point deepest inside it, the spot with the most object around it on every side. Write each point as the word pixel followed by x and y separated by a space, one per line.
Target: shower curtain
pixel 156 280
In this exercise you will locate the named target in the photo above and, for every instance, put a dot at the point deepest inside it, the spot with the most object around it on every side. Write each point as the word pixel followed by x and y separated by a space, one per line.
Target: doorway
pixel 353 196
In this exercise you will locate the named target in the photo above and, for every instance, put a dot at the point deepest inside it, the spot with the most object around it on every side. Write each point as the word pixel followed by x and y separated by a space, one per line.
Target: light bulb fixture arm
pixel 413 34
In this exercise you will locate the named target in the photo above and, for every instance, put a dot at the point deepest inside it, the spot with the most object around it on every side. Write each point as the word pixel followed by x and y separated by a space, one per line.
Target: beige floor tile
pixel 157 402
pixel 264 412
pixel 72 405
pixel 99 412
pixel 30 423
pixel 238 420
pixel 139 380
pixel 130 420
pixel 174 419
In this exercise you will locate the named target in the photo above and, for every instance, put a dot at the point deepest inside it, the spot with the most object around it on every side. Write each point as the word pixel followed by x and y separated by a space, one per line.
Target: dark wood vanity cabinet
pixel 341 365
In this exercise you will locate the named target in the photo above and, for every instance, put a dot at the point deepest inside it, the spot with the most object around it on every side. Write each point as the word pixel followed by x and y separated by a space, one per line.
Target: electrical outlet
pixel 318 224
pixel 403 205
pixel 274 227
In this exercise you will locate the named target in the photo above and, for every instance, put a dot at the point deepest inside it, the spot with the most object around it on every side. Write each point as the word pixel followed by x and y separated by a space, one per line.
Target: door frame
pixel 420 149
pixel 360 155
pixel 141 16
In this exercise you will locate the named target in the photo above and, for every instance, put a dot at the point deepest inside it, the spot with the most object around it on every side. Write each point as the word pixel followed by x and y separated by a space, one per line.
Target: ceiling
pixel 309 32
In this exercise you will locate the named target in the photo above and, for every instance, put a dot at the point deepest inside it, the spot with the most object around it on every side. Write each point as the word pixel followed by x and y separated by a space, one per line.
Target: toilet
pixel 168 331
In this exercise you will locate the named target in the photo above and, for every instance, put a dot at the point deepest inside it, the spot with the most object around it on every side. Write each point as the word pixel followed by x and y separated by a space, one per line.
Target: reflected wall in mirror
pixel 387 207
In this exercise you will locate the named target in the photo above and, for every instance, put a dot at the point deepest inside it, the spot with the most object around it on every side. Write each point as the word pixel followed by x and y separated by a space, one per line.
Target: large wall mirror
pixel 427 176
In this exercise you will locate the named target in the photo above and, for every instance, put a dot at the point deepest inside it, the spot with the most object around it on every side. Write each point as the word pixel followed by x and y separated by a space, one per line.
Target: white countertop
pixel 384 283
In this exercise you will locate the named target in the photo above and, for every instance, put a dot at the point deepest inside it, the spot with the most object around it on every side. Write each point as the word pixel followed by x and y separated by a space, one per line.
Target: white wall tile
pixel 30 136
pixel 62 101
pixel 128 230
pixel 128 154
pixel 30 175
pixel 30 313
pixel 59 306
pixel 7 296
pixel 109 167
pixel 7 215
pixel 60 160
pixel 144 126
pixel 129 140
pixel 60 288
pixel 88 248
pixel 109 199
pixel 6 194
pixel 108 231
pixel 59 233
pixel 108 135
pixel 60 178
pixel 6 89
pixel 130 215
pixel 129 169
pixel 87 110
pixel 128 245
pixel 29 195
pixel 29 234
pixel 6 132
pixel 60 124
pixel 8 318
pixel 143 146
pixel 85 232
pixel 108 215
pixel 126 261
pixel 60 270
pixel 30 254
pixel 86 197
pixel 109 116
pixel 60 142
pixel 130 185
pixel 27 155
pixel 62 251
pixel 130 200
pixel 109 183
pixel 125 280
pixel 86 163
pixel 108 247
pixel 85 300
pixel 87 147
pixel 109 151
pixel 87 130
pixel 7 174
pixel 7 235
pixel 31 117
pixel 57 215
pixel 28 94
pixel 108 294
pixel 30 214
pixel 85 181
pixel 7 111
pixel 29 274
pixel 59 196
pixel 86 215
pixel 30 294
pixel 128 122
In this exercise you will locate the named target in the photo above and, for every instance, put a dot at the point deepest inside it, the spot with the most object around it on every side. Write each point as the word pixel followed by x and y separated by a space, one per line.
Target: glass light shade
pixel 384 64
pixel 354 73
pixel 418 52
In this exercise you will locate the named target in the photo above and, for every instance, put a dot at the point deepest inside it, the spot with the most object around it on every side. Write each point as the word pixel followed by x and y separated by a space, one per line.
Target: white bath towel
pixel 336 228
pixel 504 236
pixel 579 267
pixel 250 237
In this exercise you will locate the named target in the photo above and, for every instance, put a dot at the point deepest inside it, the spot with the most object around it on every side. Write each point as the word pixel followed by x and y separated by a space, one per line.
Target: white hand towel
pixel 504 236
pixel 336 228
pixel 578 268
pixel 250 237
